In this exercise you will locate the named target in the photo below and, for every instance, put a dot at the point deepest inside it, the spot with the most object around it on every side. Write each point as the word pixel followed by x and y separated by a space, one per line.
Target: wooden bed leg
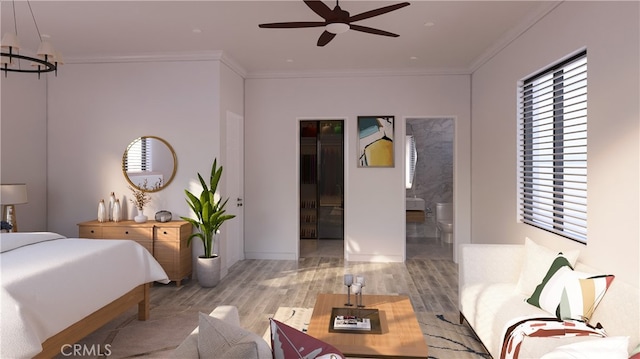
pixel 144 306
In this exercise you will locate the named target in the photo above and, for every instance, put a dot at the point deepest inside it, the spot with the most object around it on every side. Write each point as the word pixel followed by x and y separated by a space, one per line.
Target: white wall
pixel 23 144
pixel 96 110
pixel 610 32
pixel 374 197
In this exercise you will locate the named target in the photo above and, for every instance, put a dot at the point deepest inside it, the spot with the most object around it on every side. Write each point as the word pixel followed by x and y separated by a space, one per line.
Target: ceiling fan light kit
pixel 337 21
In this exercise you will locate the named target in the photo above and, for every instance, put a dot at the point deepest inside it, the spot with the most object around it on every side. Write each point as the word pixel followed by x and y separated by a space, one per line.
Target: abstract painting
pixel 375 141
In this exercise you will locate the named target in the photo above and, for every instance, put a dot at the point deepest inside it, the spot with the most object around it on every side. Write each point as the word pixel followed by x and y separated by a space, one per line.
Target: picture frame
pixel 376 141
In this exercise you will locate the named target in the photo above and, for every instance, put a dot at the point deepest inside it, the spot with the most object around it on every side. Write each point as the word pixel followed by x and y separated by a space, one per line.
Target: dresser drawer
pixel 133 233
pixel 167 233
pixel 90 232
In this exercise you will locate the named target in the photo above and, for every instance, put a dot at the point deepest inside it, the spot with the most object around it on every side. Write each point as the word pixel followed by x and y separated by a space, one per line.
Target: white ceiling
pixel 463 34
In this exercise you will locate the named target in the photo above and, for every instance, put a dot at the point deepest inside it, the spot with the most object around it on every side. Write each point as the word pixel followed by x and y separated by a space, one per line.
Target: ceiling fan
pixel 337 21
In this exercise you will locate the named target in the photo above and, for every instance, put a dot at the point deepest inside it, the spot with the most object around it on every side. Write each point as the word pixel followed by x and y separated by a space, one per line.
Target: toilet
pixel 444 221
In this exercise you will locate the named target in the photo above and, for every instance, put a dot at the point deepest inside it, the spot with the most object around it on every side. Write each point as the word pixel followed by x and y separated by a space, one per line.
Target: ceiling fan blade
pixel 319 8
pixel 325 38
pixel 376 12
pixel 371 30
pixel 290 25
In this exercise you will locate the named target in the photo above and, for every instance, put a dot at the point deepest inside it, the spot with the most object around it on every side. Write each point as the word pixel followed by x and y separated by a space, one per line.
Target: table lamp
pixel 10 195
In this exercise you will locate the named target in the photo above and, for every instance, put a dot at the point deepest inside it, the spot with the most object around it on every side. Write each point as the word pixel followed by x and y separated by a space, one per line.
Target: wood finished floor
pixel 258 287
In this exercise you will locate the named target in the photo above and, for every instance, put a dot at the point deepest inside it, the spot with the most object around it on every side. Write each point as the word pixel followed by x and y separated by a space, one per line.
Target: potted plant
pixel 210 214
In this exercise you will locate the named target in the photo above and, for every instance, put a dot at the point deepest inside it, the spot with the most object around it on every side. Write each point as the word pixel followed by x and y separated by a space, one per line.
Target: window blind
pixel 553 149
pixel 138 157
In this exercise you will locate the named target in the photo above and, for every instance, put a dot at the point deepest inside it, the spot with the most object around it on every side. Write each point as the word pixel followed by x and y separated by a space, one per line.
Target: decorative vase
pixel 117 211
pixel 102 211
pixel 140 218
pixel 112 202
pixel 208 271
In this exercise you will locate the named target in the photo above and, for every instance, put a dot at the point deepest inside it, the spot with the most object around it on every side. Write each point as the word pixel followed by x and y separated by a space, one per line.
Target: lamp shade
pixel 10 39
pixel 13 193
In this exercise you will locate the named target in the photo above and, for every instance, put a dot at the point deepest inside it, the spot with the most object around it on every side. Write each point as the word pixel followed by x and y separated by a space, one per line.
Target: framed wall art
pixel 375 141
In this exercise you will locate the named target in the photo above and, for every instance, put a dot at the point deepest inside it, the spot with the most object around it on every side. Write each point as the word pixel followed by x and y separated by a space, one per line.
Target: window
pixel 139 156
pixel 553 149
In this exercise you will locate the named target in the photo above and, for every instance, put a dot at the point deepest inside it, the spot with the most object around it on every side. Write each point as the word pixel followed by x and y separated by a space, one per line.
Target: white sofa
pixel 223 338
pixel 490 298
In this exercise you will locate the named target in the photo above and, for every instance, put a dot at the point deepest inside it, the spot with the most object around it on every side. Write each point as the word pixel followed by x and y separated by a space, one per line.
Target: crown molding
pixel 163 57
pixel 355 73
pixel 545 8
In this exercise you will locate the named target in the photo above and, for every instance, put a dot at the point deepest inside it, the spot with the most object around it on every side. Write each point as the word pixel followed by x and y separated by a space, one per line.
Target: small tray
pixel 372 314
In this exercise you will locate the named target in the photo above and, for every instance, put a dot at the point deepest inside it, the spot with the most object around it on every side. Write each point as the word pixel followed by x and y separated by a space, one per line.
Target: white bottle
pixel 112 201
pixel 117 211
pixel 102 211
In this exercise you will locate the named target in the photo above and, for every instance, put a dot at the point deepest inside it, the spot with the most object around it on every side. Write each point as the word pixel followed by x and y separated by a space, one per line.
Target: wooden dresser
pixel 167 242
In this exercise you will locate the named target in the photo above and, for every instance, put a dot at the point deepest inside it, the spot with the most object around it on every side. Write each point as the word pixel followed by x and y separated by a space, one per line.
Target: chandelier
pixel 46 59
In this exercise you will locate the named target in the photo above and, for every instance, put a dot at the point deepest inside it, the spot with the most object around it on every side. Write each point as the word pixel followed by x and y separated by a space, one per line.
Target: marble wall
pixel 433 181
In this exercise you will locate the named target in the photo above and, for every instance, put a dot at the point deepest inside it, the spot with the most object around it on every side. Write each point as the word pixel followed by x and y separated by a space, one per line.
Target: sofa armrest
pixel 489 263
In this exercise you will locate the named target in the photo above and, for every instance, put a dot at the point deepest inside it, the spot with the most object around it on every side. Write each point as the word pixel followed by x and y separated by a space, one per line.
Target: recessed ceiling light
pixel 196 31
pixel 413 58
pixel 429 24
pixel 289 60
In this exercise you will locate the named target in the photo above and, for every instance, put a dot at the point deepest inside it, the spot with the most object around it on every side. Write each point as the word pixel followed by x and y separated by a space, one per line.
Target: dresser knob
pixel 165 232
pixel 126 232
pixel 92 231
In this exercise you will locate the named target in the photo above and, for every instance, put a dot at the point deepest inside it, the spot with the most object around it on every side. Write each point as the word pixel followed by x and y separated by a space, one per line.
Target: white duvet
pixel 50 282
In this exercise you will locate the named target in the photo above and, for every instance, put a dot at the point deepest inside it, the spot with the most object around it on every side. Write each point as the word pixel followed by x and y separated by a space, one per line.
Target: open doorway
pixel 430 183
pixel 321 184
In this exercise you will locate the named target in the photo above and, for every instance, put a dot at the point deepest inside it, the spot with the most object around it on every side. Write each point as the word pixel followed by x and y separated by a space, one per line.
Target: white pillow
pixel 219 339
pixel 537 260
pixel 609 348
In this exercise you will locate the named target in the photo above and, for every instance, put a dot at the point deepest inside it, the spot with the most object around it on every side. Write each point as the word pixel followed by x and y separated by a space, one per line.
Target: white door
pixel 234 174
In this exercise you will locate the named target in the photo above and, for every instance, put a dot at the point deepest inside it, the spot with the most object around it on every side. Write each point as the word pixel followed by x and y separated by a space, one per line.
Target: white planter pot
pixel 208 271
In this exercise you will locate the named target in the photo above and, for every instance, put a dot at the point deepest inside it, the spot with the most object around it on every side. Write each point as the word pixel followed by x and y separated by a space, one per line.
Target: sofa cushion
pixel 288 342
pixel 610 348
pixel 570 294
pixel 219 339
pixel 537 260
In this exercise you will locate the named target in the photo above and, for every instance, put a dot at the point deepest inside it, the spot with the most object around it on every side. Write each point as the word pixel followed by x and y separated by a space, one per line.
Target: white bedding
pixel 52 282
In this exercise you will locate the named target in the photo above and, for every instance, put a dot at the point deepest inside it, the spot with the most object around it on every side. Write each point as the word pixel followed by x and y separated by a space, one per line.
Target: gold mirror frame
pixel 163 183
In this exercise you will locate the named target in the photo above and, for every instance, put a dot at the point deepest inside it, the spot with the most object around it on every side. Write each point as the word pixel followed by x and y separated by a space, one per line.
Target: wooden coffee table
pixel 401 334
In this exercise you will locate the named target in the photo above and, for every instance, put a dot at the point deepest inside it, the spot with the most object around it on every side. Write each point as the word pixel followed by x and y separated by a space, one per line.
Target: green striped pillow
pixel 569 294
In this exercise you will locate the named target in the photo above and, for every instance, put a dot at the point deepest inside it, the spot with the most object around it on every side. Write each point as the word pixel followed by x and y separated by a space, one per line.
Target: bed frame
pixel 75 332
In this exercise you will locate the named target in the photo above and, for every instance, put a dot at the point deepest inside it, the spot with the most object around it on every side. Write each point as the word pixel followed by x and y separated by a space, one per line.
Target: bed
pixel 56 290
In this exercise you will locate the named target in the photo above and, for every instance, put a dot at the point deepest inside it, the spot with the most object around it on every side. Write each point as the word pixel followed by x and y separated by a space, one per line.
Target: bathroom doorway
pixel 430 182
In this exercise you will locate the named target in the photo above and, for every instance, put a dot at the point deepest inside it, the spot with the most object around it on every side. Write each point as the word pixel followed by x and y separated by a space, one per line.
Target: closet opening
pixel 321 186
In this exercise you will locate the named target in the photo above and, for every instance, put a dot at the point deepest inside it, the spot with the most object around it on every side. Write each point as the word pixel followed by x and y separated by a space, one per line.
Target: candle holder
pixel 357 290
pixel 348 281
pixel 360 283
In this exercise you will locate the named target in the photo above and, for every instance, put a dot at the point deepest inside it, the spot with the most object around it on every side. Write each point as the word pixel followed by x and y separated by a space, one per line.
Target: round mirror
pixel 149 163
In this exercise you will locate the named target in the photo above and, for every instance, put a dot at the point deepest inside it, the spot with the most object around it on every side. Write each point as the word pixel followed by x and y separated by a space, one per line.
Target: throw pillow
pixel 635 353
pixel 288 342
pixel 219 339
pixel 569 294
pixel 537 260
pixel 610 348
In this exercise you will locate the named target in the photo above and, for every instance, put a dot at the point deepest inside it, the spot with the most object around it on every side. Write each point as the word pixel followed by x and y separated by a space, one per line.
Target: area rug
pixel 129 338
pixel 445 338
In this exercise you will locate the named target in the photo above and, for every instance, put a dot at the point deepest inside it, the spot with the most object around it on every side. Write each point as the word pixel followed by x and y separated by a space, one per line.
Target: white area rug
pixel 294 317
pixel 445 338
